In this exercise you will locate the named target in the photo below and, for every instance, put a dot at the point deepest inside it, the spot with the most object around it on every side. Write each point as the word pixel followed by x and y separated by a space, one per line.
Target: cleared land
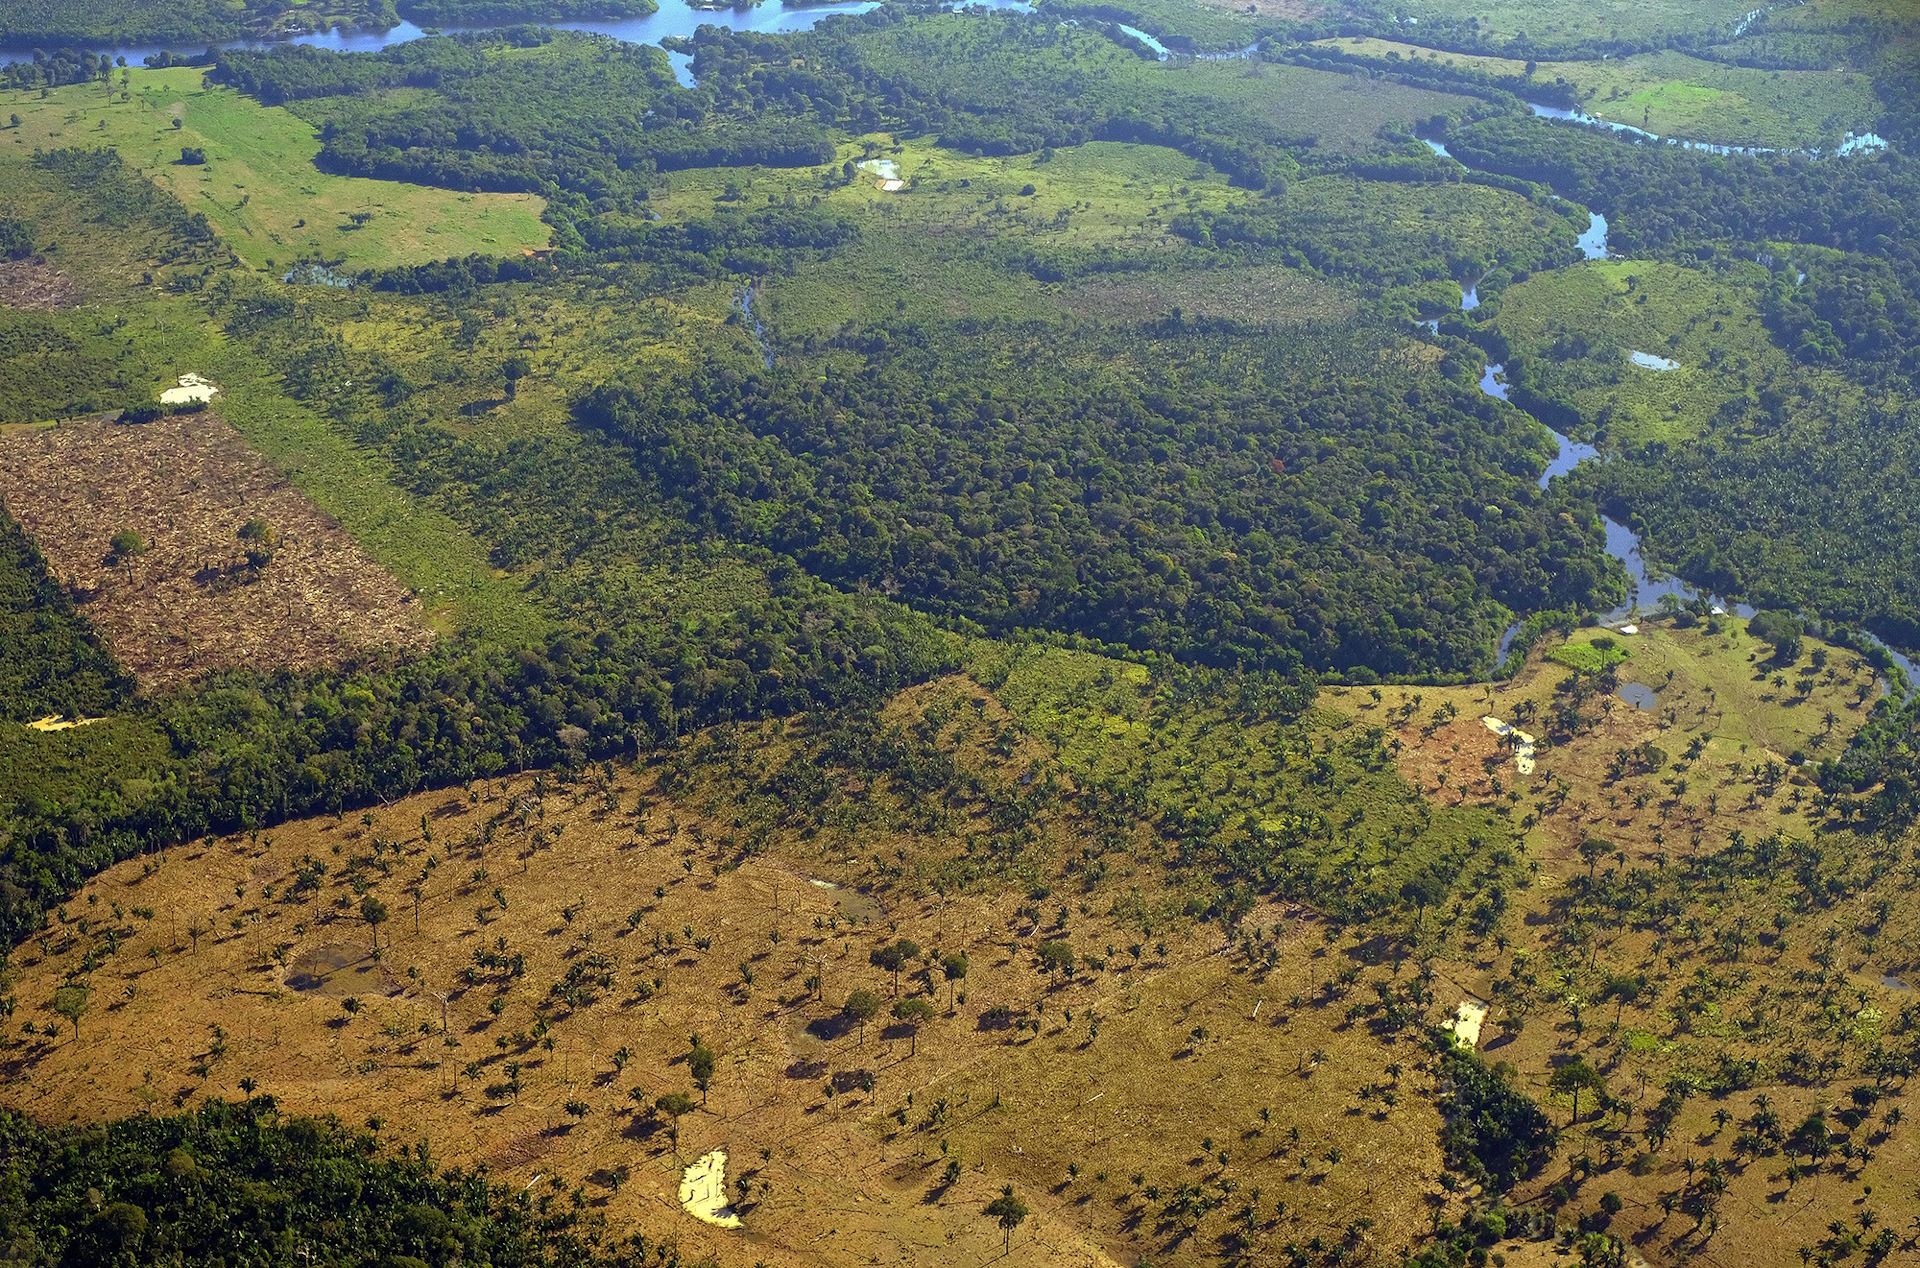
pixel 34 284
pixel 188 600
pixel 258 185
pixel 1126 1098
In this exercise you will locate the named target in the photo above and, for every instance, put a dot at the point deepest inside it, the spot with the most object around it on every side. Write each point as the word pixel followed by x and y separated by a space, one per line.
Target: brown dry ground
pixel 843 1177
pixel 37 285
pixel 190 603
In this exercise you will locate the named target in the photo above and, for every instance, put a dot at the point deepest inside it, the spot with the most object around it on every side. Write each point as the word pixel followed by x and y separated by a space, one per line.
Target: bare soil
pixel 37 285
pixel 191 602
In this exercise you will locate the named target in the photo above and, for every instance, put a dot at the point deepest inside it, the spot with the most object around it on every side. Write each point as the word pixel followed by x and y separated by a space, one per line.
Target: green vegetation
pixel 190 1187
pixel 1674 95
pixel 178 23
pixel 257 186
pixel 1569 336
pixel 1589 657
pixel 970 459
pixel 55 663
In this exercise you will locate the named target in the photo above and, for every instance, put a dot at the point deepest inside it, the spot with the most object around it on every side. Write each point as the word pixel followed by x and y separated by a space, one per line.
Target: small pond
pixel 1639 695
pixel 337 969
pixel 1647 361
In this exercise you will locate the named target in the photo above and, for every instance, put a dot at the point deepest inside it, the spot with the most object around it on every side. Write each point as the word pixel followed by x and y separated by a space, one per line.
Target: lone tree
pixel 954 967
pixel 257 541
pixel 700 1065
pixel 893 957
pixel 673 1105
pixel 1574 1078
pixel 861 1007
pixel 374 912
pixel 1010 1211
pixel 71 1002
pixel 1056 957
pixel 123 548
pixel 515 368
pixel 913 1014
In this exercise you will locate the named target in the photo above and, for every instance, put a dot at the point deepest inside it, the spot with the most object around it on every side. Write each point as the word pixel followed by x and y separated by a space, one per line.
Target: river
pixel 1851 143
pixel 674 18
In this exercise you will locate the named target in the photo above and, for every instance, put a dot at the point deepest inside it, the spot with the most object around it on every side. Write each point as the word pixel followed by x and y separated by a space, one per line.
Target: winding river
pixel 1646 586
pixel 679 18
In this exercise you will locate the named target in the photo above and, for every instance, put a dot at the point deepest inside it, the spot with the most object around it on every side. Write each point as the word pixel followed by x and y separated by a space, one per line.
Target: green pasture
pixel 258 186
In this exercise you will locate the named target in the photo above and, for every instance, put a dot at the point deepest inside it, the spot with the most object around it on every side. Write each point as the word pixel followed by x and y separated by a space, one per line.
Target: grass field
pixel 1671 94
pixel 258 186
pixel 1500 22
pixel 940 247
pixel 1674 95
pixel 1572 331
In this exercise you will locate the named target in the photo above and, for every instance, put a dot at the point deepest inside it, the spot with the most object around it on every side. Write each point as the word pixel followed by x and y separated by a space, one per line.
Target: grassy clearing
pixel 1571 332
pixel 1102 192
pixel 1339 111
pixel 258 186
pixel 1589 656
pixel 1395 51
pixel 942 247
pixel 1672 94
pixel 1501 21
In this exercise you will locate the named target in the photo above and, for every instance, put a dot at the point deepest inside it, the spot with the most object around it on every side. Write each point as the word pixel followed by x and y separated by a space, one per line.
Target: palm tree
pixel 374 912
pixel 913 1014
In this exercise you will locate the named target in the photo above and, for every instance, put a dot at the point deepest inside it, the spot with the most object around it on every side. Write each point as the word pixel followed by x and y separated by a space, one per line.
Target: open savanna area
pixel 192 554
pixel 876 1043
pixel 1717 983
pixel 1500 24
pixel 1674 95
pixel 255 180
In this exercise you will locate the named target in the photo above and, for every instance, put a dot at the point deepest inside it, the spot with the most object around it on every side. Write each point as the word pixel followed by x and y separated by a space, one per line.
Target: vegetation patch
pixel 193 555
pixel 255 181
pixel 1258 296
pixel 1590 656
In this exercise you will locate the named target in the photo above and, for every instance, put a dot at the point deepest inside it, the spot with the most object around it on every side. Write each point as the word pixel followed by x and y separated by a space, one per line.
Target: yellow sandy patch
pixel 703 1190
pixel 1522 746
pixel 60 722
